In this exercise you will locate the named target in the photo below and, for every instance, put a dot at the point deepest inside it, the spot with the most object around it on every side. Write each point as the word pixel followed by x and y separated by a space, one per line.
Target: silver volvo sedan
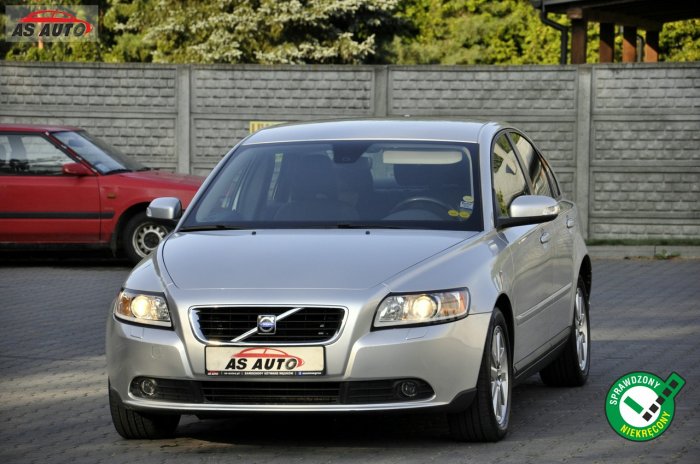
pixel 367 265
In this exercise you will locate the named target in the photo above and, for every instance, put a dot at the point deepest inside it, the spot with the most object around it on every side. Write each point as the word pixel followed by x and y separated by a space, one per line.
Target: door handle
pixel 570 222
pixel 545 237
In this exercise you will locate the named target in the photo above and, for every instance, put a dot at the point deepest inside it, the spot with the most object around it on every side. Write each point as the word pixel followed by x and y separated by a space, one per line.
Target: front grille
pixel 271 392
pixel 283 393
pixel 308 325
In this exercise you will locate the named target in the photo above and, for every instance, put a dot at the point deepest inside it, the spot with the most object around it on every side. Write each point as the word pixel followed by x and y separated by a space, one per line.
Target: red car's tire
pixel 141 236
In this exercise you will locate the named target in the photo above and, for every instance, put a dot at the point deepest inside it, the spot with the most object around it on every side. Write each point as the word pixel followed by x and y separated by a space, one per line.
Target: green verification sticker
pixel 640 406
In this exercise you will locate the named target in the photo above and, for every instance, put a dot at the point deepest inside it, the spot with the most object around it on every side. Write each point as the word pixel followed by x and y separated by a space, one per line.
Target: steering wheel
pixel 435 205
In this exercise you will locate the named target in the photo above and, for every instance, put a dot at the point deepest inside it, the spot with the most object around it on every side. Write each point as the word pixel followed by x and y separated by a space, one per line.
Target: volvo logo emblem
pixel 267 324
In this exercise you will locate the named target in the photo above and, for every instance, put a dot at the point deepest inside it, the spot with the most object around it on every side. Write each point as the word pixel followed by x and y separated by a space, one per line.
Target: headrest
pixel 355 177
pixel 314 179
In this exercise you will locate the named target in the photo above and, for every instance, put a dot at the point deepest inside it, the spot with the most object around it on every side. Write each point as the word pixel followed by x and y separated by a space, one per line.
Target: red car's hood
pixel 165 177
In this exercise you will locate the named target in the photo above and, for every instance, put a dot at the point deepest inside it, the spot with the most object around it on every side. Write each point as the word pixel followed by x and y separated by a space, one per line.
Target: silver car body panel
pixel 273 259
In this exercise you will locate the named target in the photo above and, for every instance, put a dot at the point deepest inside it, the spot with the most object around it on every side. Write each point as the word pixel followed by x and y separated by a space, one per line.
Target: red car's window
pixel 103 157
pixel 30 155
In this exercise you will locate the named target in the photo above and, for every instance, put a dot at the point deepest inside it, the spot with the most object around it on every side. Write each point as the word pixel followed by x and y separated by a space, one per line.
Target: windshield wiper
pixel 343 225
pixel 209 227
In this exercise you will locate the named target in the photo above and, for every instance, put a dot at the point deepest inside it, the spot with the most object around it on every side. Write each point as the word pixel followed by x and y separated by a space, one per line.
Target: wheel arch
pixel 503 303
pixel 118 233
pixel 586 273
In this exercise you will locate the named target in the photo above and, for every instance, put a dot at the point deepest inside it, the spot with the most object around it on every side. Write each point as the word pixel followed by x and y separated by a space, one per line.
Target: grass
pixel 663 254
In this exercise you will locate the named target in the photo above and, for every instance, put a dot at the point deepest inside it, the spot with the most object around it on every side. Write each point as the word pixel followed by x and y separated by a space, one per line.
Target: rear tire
pixel 571 368
pixel 141 236
pixel 487 417
pixel 135 425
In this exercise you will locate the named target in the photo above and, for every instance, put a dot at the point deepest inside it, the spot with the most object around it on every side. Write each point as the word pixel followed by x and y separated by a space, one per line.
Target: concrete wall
pixel 623 139
pixel 645 152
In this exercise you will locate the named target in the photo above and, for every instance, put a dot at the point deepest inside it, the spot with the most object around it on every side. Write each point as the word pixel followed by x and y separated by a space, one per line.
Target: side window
pixel 508 180
pixel 536 170
pixel 4 154
pixel 30 155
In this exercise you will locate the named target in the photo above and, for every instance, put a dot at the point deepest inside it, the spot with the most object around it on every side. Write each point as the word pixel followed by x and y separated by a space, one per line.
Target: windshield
pixel 345 184
pixel 105 158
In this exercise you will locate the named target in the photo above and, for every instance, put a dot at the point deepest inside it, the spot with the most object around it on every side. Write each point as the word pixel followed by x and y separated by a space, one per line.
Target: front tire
pixel 142 236
pixel 488 416
pixel 571 368
pixel 135 425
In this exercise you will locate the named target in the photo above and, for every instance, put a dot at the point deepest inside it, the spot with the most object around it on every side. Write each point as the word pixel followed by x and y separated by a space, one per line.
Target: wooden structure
pixel 632 15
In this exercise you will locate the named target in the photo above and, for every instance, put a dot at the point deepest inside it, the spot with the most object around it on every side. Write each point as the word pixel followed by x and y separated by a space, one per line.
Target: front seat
pixel 314 193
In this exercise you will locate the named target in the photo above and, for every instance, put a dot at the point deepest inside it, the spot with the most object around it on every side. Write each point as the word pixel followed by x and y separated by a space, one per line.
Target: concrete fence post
pixel 381 94
pixel 582 145
pixel 182 125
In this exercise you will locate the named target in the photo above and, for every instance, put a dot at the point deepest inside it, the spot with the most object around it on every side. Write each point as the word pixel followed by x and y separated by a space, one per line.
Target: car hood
pixel 308 259
pixel 163 177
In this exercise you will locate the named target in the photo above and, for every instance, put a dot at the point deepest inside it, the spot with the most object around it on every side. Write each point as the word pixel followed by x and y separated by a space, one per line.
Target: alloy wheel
pixel 581 330
pixel 499 376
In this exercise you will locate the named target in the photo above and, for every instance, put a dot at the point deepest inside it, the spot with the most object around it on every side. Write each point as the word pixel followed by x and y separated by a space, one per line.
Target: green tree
pixel 329 31
pixel 250 31
pixel 475 32
pixel 508 32
pixel 680 41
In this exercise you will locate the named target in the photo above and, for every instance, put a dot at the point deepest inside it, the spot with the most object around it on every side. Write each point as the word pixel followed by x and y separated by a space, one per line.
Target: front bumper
pixel 447 357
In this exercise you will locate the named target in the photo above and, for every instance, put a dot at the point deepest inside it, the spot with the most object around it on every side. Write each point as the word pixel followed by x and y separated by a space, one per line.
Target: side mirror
pixel 76 169
pixel 530 209
pixel 165 208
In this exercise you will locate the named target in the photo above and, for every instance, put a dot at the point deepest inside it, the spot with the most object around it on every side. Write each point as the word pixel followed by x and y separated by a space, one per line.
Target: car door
pixel 531 254
pixel 559 234
pixel 39 203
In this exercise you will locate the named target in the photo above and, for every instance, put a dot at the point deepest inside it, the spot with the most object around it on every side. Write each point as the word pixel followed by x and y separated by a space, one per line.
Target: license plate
pixel 265 361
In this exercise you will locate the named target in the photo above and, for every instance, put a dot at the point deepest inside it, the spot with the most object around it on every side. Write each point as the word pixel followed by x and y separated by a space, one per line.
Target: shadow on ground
pixel 72 258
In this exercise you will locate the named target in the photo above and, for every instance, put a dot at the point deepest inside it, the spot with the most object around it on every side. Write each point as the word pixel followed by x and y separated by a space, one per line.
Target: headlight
pixel 422 308
pixel 142 308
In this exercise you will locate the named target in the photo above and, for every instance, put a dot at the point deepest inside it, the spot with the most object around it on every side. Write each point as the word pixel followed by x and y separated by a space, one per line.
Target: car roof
pixel 371 129
pixel 37 128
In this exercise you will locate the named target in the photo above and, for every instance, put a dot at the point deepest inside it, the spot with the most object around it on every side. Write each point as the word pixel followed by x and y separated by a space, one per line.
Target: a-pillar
pixel 629 44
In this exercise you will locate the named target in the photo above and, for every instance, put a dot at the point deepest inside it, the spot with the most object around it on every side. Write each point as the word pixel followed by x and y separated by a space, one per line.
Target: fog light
pixel 148 387
pixel 408 389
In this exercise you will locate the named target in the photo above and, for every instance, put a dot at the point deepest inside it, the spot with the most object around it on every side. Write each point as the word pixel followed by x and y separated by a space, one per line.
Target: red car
pixel 61 186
